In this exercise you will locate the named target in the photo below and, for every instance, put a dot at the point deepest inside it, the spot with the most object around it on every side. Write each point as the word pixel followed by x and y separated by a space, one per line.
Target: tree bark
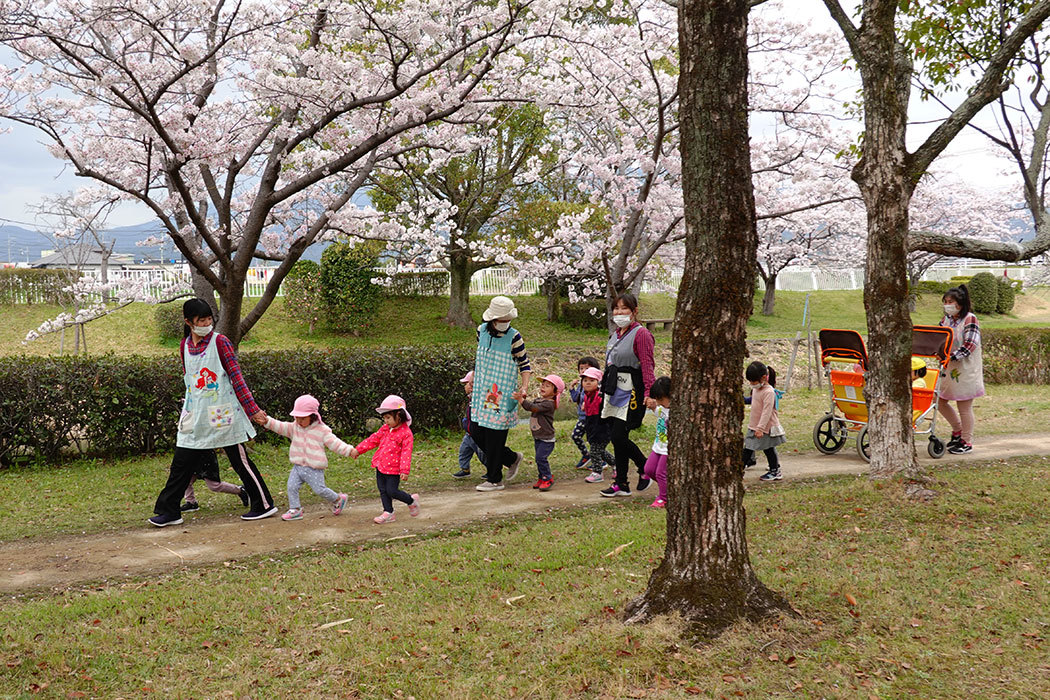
pixel 769 297
pixel 202 288
pixel 552 288
pixel 459 271
pixel 229 321
pixel 706 573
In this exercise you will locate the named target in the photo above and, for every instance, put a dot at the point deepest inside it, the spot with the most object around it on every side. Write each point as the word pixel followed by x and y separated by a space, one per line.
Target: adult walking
pixel 215 414
pixel 964 376
pixel 498 363
pixel 629 374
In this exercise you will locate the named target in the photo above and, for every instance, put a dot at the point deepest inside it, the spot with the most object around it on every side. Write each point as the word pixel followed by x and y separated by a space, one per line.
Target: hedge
pixel 1007 295
pixel 169 320
pixel 30 286
pixel 1016 355
pixel 984 293
pixel 112 406
pixel 425 283
pixel 584 314
pixel 349 297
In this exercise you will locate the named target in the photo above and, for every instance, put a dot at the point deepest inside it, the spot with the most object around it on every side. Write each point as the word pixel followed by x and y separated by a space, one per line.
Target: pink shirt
pixel 308 443
pixel 763 409
pixel 394 453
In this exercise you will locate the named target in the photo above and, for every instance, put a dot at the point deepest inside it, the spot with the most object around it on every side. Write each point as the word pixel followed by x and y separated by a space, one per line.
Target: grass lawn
pixel 419 322
pixel 35 500
pixel 896 599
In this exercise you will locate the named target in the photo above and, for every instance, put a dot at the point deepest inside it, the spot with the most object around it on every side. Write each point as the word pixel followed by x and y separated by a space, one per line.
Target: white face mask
pixel 201 331
pixel 621 320
pixel 501 326
pixel 950 309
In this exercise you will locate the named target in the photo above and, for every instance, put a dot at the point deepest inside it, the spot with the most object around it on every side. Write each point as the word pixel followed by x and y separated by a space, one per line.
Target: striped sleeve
pixel 517 349
pixel 644 347
pixel 971 337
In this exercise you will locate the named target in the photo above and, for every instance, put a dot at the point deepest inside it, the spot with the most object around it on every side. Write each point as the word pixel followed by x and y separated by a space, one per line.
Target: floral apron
pixel 963 379
pixel 495 380
pixel 211 414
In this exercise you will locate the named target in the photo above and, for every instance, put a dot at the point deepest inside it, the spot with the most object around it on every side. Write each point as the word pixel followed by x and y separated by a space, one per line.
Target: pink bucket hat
pixel 468 377
pixel 306 405
pixel 558 384
pixel 394 403
pixel 592 373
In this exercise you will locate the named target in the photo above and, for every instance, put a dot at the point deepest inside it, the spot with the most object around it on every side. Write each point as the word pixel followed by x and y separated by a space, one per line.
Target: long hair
pixel 756 370
pixel 961 296
pixel 195 308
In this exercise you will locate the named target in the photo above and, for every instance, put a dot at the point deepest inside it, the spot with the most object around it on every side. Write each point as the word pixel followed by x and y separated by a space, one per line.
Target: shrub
pixel 584 314
pixel 350 298
pixel 425 283
pixel 169 321
pixel 984 293
pixel 959 279
pixel 27 286
pixel 933 287
pixel 1016 355
pixel 302 293
pixel 1007 294
pixel 123 405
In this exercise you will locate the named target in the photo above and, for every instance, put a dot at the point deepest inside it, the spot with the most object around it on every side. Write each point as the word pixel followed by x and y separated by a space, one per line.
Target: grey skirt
pixel 758 444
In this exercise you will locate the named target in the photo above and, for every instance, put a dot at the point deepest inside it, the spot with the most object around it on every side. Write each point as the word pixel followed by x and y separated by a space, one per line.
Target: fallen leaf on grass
pixel 510 601
pixel 851 600
pixel 693 690
pixel 619 549
pixel 335 624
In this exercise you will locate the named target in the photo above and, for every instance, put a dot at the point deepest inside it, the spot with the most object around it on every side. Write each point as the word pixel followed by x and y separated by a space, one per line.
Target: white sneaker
pixel 512 470
pixel 489 486
pixel 594 478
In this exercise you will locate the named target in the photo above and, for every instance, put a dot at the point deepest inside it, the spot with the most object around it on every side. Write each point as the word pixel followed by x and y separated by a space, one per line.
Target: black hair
pixel 195 308
pixel 661 388
pixel 961 296
pixel 627 299
pixel 589 361
pixel 921 372
pixel 402 416
pixel 756 370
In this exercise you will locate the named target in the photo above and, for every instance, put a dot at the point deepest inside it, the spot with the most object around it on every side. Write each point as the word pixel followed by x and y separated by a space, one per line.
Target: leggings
pixel 578 437
pixel 600 457
pixel 771 457
pixel 961 422
pixel 625 450
pixel 215 486
pixel 314 478
pixel 656 469
pixel 389 489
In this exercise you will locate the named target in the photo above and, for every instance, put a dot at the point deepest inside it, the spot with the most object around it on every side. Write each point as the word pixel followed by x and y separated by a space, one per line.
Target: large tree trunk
pixel 769 297
pixel 202 288
pixel 229 320
pixel 881 175
pixel 706 573
pixel 552 289
pixel 459 271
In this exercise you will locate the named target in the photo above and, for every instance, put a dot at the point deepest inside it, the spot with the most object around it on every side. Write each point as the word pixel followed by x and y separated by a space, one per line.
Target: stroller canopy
pixel 846 346
pixel 932 341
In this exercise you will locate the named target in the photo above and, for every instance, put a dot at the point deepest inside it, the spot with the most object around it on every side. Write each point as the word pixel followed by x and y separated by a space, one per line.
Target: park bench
pixel 664 322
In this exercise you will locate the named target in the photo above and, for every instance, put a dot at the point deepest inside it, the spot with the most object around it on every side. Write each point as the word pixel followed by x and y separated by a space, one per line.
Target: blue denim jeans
pixel 467 449
pixel 543 453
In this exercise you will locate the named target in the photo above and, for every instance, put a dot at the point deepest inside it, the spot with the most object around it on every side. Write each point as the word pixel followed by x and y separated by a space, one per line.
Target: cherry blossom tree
pixel 247 128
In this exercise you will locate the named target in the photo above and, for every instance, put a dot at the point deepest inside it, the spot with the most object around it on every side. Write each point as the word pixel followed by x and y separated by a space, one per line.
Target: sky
pixel 28 172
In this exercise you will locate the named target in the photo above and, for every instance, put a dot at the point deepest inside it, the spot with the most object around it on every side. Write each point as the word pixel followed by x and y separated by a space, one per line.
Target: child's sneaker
pixel 190 507
pixel 461 474
pixel 293 514
pixel 614 491
pixel 584 463
pixel 413 507
pixel 545 484
pixel 383 517
pixel 771 476
pixel 962 448
pixel 339 504
pixel 643 482
pixel 594 478
pixel 537 484
pixel 954 442
pixel 658 503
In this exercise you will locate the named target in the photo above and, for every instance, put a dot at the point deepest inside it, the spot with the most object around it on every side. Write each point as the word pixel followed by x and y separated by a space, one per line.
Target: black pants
pixel 497 455
pixel 624 450
pixel 188 462
pixel 389 489
pixel 771 457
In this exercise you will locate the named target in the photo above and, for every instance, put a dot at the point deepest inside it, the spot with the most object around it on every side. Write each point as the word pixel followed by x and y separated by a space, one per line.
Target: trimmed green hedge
pixel 580 314
pixel 424 283
pixel 984 293
pixel 113 406
pixel 1016 355
pixel 20 285
pixel 1007 295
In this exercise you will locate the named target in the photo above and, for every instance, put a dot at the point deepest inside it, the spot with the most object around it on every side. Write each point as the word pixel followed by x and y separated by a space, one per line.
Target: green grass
pixel 419 322
pixel 950 602
pixel 34 499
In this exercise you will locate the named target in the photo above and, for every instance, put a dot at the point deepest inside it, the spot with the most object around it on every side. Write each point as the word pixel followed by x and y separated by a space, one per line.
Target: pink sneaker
pixel 339 504
pixel 594 478
pixel 383 517
pixel 293 514
pixel 658 503
pixel 413 507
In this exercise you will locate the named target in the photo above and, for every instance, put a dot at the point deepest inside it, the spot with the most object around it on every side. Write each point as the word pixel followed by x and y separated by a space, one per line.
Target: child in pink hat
pixel 542 425
pixel 310 436
pixel 393 457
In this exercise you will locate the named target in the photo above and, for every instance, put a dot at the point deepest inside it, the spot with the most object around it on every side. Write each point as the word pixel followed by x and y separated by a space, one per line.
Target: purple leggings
pixel 656 468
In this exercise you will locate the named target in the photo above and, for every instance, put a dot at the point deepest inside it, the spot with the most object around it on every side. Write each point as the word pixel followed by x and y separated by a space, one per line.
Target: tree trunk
pixel 202 288
pixel 706 573
pixel 229 321
pixel 552 288
pixel 459 271
pixel 769 297
pixel 887 191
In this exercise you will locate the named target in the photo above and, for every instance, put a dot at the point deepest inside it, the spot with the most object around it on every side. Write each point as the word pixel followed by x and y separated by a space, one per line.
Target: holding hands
pixel 259 417
pixel 650 403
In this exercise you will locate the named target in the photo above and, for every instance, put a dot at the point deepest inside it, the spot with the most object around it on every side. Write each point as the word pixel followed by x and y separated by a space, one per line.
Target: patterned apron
pixel 211 414
pixel 963 379
pixel 495 379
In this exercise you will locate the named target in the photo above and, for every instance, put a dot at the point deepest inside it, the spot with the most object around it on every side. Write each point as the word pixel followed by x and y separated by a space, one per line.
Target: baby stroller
pixel 845 360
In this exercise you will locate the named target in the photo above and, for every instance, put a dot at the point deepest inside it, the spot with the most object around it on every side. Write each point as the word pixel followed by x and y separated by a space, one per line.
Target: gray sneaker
pixel 512 470
pixel 489 486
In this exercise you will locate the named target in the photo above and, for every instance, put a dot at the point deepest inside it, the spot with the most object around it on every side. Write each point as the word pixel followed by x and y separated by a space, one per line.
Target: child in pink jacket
pixel 393 457
pixel 763 429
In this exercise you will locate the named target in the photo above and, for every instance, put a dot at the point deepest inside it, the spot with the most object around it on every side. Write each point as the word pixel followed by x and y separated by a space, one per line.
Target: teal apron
pixel 495 380
pixel 211 415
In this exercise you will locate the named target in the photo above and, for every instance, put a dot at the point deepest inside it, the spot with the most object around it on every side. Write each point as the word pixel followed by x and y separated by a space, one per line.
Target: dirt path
pixel 56 563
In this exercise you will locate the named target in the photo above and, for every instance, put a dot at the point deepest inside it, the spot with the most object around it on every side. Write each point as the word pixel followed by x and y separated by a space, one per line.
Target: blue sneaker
pixel 165 520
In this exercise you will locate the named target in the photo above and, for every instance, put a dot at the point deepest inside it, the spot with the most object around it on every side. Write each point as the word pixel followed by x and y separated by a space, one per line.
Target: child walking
pixel 393 457
pixel 310 436
pixel 542 425
pixel 597 429
pixel 659 402
pixel 763 429
pixel 468 448
pixel 579 431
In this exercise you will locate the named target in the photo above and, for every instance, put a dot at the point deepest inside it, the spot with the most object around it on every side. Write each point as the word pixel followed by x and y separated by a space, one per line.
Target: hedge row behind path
pixel 123 405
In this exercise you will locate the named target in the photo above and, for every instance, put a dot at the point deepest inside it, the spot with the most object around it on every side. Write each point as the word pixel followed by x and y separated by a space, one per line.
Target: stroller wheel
pixel 936 447
pixel 863 447
pixel 829 434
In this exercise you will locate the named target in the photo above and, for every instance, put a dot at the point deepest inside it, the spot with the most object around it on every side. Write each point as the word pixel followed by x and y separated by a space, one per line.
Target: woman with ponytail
pixel 963 379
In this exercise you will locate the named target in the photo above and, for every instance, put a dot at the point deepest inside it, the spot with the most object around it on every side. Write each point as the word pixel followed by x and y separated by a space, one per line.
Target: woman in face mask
pixel 215 414
pixel 499 362
pixel 964 377
pixel 629 374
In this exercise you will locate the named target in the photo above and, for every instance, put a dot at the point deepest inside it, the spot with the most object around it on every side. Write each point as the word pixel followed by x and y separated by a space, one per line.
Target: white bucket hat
pixel 500 307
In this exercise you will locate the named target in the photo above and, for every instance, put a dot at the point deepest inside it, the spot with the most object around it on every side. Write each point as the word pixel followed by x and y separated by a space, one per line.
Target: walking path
pixel 42 563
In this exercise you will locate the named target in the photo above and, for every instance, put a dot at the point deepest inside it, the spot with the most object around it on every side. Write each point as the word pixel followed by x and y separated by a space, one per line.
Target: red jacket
pixel 394 453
